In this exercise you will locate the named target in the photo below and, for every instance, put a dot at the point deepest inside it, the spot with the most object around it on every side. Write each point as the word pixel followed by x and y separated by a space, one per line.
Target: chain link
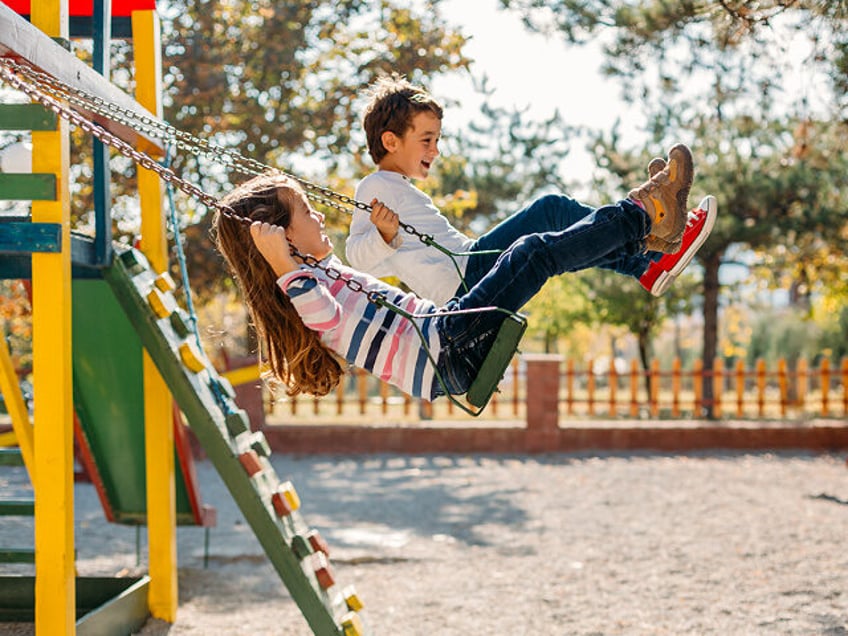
pixel 157 129
pixel 166 174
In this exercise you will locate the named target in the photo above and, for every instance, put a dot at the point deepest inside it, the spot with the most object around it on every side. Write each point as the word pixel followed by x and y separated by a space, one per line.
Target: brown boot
pixel 665 195
pixel 656 165
pixel 652 243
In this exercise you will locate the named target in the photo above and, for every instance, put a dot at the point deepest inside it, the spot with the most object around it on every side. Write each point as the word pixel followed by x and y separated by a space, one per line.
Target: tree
pixel 776 168
pixel 283 83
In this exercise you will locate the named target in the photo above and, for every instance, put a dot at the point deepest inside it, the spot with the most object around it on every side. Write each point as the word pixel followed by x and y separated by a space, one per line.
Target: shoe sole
pixel 686 167
pixel 664 280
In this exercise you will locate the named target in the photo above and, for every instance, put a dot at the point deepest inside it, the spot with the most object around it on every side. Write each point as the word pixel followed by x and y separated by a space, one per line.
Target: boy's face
pixel 306 229
pixel 413 154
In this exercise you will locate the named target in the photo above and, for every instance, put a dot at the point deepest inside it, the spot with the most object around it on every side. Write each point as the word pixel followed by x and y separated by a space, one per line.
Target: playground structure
pixel 112 346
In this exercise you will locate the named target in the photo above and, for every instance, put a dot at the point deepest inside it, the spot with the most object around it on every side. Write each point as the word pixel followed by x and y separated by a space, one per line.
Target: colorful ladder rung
pixel 241 457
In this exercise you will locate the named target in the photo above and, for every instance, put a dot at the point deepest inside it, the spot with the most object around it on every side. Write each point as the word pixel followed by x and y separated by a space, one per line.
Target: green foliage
pixel 785 334
pixel 284 82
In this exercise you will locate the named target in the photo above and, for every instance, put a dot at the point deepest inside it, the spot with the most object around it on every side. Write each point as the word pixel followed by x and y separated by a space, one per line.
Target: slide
pixel 109 403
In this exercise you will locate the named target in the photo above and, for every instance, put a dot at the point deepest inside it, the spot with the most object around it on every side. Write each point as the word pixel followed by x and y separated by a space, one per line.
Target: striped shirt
pixel 373 338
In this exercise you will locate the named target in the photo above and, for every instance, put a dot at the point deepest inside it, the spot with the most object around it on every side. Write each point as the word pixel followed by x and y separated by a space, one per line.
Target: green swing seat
pixel 496 362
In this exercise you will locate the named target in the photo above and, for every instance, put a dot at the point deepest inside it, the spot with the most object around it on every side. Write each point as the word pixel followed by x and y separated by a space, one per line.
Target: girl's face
pixel 306 229
pixel 413 154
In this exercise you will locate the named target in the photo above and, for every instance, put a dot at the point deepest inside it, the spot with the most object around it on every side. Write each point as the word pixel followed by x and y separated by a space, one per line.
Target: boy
pixel 403 126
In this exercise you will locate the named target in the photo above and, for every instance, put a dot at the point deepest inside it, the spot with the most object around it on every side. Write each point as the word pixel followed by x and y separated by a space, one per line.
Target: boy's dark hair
pixel 394 102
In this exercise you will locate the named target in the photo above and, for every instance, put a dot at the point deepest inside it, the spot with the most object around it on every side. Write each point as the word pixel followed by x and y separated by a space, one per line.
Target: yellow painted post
pixel 21 425
pixel 158 414
pixel 55 595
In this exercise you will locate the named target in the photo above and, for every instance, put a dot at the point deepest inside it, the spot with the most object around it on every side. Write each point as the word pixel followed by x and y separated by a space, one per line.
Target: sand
pixel 538 545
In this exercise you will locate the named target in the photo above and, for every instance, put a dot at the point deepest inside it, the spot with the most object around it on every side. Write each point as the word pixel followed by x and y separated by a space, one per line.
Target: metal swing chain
pixel 196 146
pixel 169 176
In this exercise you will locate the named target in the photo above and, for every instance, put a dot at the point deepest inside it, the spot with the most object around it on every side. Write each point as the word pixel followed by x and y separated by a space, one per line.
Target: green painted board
pixel 104 605
pixel 207 405
pixel 27 187
pixel 17 507
pixel 27 117
pixel 109 400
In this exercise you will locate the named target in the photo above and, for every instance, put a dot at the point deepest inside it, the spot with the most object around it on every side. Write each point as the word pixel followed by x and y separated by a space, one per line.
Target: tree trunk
pixel 711 292
pixel 644 341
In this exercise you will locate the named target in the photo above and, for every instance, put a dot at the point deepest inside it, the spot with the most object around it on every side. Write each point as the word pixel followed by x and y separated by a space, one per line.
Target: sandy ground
pixel 560 544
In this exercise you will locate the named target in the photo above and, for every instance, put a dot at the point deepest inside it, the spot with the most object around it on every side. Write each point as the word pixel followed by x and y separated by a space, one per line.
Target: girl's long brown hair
pixel 295 352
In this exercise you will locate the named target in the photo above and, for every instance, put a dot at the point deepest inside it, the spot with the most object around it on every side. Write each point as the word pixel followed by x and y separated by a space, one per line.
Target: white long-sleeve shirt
pixel 373 338
pixel 426 270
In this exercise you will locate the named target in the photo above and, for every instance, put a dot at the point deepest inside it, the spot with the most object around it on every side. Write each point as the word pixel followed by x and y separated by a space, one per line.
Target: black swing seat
pixel 496 362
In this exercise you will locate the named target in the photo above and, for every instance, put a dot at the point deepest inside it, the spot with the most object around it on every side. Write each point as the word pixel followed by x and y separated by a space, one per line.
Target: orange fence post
pixel 718 385
pixel 845 386
pixel 384 398
pixel 740 388
pixel 783 384
pixel 654 398
pixel 825 387
pixel 698 387
pixel 761 387
pixel 340 395
pixel 634 388
pixel 515 386
pixel 590 386
pixel 362 386
pixel 802 383
pixel 675 387
pixel 613 386
pixel 569 386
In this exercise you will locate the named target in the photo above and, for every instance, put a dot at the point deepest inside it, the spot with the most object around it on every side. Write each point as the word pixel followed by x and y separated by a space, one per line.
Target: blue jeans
pixel 549 213
pixel 611 236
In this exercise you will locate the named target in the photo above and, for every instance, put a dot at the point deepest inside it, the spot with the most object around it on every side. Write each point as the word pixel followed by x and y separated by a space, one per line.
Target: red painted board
pixel 120 8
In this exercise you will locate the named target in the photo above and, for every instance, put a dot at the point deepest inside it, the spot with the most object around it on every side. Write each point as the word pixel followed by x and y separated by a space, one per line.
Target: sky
pixel 528 69
pixel 522 68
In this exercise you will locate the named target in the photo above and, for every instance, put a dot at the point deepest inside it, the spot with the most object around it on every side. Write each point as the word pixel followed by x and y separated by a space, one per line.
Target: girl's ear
pixel 390 140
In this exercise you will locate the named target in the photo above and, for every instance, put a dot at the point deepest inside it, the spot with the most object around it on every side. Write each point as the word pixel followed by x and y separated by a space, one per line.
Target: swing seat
pixel 496 362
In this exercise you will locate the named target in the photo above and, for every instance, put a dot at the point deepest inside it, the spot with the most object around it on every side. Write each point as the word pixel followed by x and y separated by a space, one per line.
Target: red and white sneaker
pixel 661 274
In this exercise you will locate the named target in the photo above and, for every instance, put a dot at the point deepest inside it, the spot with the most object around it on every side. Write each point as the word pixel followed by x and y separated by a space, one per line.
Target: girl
pixel 308 318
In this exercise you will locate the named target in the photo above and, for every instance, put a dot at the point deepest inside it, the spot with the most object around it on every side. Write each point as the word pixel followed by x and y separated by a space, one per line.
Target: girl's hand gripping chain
pixel 271 242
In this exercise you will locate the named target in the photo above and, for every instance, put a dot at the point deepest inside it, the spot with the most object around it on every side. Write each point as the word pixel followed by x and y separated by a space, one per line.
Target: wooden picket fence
pixel 587 391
